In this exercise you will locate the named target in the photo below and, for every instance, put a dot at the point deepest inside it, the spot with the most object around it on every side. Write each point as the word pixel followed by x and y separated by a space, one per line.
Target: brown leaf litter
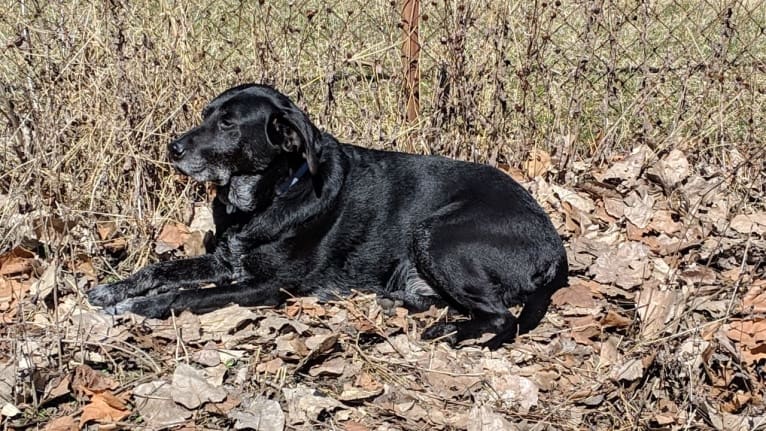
pixel 662 326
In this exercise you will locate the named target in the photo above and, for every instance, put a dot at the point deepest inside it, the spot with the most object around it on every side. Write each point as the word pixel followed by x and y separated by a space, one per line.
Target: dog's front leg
pixel 161 277
pixel 200 301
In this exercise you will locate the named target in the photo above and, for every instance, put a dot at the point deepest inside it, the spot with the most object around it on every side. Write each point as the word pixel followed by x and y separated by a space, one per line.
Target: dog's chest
pixel 249 258
pixel 232 247
pixel 238 252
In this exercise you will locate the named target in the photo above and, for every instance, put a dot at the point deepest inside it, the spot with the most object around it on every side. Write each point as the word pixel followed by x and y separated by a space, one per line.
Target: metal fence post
pixel 410 58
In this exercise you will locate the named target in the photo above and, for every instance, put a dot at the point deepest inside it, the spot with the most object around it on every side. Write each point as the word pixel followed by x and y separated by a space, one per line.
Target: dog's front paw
pixel 105 295
pixel 157 306
pixel 444 331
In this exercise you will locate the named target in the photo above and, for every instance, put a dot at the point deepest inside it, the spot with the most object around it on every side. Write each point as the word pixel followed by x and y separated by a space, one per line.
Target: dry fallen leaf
pixel 11 291
pixel 629 168
pixel 208 355
pixel 576 295
pixel 202 221
pixel 608 353
pixel 84 265
pixel 577 200
pixel 517 391
pixel 104 407
pixel 754 300
pixel 273 324
pixel 538 163
pixel 9 410
pixel 47 281
pixel 224 407
pixel 194 244
pixel 17 261
pixel 628 371
pixel 56 387
pixel 260 414
pixel 355 426
pixel 306 404
pixel 214 375
pixel 187 326
pixel 698 275
pixel 671 169
pixel 308 306
pixel 321 343
pixel 94 326
pixel 398 320
pixel 318 345
pixel 271 366
pixel 172 237
pixel 750 334
pixel 575 221
pixel 63 423
pixel 225 320
pixel 613 319
pixel 667 412
pixel 656 308
pixel 446 377
pixel 354 393
pixel 334 366
pixel 690 352
pixel 291 347
pixel 626 265
pixel 750 223
pixel 154 402
pixel 585 329
pixel 639 209
pixel 484 418
pixel 86 379
pixel 191 389
pixel 411 410
pixel 663 222
pixel 368 382
pixel 736 402
pixel 106 229
pixel 614 207
pixel 116 245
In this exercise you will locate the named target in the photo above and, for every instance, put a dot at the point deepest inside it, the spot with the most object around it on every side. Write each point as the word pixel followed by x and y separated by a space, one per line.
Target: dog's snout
pixel 176 150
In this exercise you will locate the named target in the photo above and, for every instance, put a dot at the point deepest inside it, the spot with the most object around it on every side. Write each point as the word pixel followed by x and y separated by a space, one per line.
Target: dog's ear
pixel 291 130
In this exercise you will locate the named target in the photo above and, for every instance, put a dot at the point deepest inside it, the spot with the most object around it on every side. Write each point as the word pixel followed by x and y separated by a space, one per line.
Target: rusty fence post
pixel 411 58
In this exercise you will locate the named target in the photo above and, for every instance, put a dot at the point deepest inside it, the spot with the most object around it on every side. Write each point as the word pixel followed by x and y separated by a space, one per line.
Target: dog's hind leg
pixel 463 264
pixel 533 312
pixel 407 286
pixel 482 262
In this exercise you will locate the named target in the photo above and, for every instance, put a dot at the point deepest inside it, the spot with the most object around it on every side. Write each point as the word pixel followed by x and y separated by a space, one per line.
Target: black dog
pixel 298 213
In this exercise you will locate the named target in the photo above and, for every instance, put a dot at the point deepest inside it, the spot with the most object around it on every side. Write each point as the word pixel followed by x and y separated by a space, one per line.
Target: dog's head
pixel 244 131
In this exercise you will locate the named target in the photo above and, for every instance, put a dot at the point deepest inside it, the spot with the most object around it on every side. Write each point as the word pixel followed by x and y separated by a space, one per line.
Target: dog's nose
pixel 176 150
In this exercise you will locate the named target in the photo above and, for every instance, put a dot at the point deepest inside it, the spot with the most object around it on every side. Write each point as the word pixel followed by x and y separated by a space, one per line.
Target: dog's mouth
pixel 204 174
pixel 220 182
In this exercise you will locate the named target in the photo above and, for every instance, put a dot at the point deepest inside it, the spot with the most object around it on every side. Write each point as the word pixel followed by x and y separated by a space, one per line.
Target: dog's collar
pixel 293 180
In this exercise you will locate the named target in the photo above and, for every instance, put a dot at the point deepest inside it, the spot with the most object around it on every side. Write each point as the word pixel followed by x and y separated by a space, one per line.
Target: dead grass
pixel 92 91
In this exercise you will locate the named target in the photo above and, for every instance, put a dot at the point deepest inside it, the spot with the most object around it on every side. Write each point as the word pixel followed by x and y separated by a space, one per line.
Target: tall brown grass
pixel 93 90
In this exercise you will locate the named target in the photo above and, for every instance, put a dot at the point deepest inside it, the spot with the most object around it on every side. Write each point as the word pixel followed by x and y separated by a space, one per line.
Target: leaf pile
pixel 663 325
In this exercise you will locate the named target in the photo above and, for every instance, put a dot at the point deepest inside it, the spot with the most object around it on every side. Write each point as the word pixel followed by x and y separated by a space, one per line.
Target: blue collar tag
pixel 285 186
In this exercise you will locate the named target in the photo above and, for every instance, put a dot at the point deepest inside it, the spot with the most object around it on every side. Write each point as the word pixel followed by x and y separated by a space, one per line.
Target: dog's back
pixel 388 196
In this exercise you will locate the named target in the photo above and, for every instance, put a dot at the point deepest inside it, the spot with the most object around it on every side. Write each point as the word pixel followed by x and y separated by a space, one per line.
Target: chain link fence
pixel 587 77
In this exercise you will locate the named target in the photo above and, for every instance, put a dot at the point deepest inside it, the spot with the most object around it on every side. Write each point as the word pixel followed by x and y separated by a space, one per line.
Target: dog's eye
pixel 225 123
